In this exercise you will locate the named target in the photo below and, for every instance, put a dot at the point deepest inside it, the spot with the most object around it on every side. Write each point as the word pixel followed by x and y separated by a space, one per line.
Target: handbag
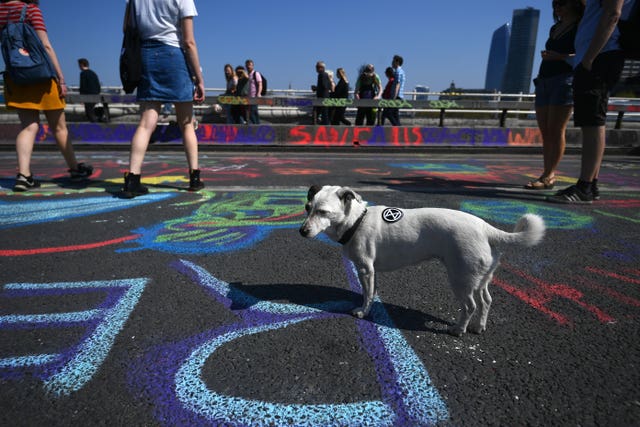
pixel 131 52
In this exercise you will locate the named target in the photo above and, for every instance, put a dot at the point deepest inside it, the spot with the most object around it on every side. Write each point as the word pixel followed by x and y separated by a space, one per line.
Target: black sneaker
pixel 194 180
pixel 571 195
pixel 25 183
pixel 82 171
pixel 595 190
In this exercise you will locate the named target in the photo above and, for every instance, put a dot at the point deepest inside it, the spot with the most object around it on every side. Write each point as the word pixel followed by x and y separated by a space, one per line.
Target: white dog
pixel 380 238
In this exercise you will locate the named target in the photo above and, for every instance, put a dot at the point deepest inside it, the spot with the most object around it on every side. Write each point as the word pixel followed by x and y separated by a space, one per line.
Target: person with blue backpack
pixel 29 94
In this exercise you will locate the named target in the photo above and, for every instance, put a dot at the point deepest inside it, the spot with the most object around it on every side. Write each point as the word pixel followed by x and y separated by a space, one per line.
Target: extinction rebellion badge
pixel 392 215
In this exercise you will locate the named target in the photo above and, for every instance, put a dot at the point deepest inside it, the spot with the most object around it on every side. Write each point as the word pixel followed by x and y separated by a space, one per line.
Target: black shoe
pixel 82 171
pixel 571 195
pixel 132 186
pixel 595 190
pixel 194 180
pixel 25 183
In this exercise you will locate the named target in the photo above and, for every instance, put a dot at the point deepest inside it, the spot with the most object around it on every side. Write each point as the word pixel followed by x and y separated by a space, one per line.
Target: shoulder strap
pixel 133 20
pixel 23 14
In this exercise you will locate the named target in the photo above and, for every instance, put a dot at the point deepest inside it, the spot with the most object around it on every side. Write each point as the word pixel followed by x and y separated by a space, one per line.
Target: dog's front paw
pixel 476 329
pixel 358 312
pixel 455 331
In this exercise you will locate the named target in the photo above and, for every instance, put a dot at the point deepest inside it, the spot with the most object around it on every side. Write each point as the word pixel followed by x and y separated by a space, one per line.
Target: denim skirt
pixel 556 90
pixel 165 74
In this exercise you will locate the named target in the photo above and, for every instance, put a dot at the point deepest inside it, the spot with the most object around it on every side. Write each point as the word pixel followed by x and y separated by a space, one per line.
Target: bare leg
pixel 29 121
pixel 140 141
pixel 184 116
pixel 557 126
pixel 58 124
pixel 593 144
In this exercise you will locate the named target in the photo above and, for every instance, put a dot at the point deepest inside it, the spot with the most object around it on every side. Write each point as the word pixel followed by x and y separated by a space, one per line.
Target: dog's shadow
pixel 315 296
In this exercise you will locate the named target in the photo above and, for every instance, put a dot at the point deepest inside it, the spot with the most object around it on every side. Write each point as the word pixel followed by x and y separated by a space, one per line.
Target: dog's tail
pixel 529 231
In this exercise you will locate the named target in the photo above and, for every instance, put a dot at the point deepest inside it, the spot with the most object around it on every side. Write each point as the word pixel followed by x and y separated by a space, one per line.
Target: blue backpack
pixel 25 58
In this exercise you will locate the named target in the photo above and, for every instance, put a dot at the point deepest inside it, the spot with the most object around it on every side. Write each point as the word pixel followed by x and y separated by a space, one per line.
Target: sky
pixel 441 41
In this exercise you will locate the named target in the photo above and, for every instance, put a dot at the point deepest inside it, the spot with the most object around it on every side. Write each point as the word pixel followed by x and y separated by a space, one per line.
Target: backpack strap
pixel 23 14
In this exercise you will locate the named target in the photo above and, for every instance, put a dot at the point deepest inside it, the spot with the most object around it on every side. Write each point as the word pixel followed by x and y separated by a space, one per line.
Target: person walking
pixel 368 86
pixel 553 88
pixel 399 79
pixel 388 93
pixel 232 84
pixel 255 90
pixel 239 111
pixel 599 60
pixel 171 73
pixel 341 92
pixel 89 85
pixel 30 99
pixel 323 89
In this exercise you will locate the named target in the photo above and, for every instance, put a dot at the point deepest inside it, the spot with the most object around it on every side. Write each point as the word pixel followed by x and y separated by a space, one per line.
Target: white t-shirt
pixel 160 19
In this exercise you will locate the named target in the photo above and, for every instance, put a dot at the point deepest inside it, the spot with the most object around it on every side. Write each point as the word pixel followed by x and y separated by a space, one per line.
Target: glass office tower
pixel 522 46
pixel 497 58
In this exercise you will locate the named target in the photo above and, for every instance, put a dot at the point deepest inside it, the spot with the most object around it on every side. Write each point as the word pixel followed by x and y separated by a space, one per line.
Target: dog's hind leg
pixel 367 281
pixel 483 297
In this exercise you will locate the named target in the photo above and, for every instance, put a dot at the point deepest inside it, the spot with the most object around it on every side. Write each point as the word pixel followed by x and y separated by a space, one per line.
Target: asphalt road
pixel 210 309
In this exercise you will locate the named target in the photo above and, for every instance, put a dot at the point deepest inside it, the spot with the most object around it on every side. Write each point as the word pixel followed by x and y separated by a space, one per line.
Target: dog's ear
pixel 346 194
pixel 313 190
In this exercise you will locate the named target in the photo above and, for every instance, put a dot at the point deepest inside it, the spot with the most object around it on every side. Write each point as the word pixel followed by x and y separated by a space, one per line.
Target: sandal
pixel 541 184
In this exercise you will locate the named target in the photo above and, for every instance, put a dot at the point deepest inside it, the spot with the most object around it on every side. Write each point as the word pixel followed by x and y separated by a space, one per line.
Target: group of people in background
pixel 246 82
pixel 368 86
pixel 581 63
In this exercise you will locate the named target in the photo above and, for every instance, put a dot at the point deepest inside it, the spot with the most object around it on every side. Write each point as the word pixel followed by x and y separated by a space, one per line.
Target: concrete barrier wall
pixel 330 136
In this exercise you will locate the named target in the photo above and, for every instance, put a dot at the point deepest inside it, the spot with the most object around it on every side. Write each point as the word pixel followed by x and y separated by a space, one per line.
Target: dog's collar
pixel 350 232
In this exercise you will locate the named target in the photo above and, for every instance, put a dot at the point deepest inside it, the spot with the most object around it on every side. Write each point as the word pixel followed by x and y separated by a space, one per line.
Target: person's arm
pixel 191 52
pixel 612 9
pixel 258 85
pixel 378 83
pixel 44 38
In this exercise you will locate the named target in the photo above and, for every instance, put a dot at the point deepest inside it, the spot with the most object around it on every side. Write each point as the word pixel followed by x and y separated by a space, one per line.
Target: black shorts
pixel 591 89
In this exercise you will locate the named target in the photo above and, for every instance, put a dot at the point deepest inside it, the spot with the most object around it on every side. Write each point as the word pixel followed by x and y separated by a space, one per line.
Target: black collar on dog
pixel 350 232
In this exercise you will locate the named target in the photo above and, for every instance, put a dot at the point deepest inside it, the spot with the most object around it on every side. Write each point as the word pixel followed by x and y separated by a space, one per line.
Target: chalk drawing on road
pixel 508 212
pixel 67 371
pixel 542 295
pixel 21 213
pixel 228 222
pixel 408 396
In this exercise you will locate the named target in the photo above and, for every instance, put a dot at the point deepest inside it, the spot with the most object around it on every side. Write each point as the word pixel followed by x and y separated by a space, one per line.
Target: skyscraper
pixel 497 58
pixel 522 46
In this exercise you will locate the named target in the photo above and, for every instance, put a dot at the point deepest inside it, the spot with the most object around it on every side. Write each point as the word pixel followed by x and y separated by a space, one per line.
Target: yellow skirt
pixel 37 96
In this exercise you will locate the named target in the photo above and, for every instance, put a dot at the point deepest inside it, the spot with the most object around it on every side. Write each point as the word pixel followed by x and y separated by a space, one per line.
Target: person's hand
pixel 586 65
pixel 198 94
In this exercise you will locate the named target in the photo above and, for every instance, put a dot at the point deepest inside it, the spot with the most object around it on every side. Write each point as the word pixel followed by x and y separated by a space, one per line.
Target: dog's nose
pixel 304 232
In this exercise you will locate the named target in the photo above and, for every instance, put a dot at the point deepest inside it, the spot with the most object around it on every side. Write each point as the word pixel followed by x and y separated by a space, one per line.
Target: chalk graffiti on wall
pixel 66 371
pixel 308 135
pixel 408 396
